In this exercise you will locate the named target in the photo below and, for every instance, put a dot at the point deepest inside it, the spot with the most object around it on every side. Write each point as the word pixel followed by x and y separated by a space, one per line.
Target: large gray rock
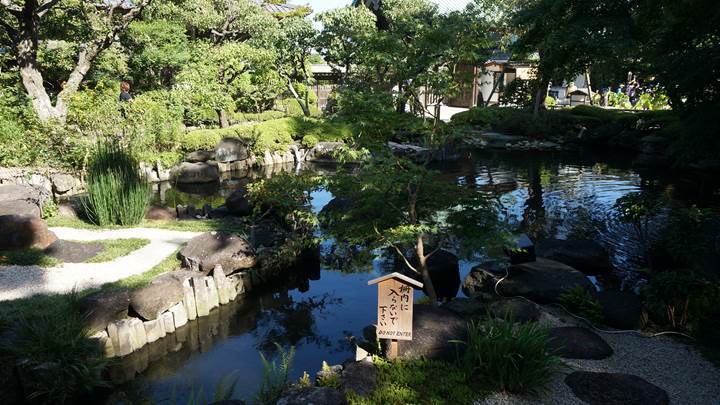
pixel 433 329
pixel 444 271
pixel 480 283
pixel 615 389
pixel 517 309
pixel 542 281
pixel 324 151
pixel 360 377
pixel 105 307
pixel 621 309
pixel 73 252
pixel 578 343
pixel 238 204
pixel 231 150
pixel 231 251
pixel 24 232
pixel 190 173
pixel 157 297
pixel 19 200
pixel 314 396
pixel 63 183
pixel 200 156
pixel 159 212
pixel 587 256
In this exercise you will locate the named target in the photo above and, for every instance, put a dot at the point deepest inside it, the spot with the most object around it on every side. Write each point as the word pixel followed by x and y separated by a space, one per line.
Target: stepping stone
pixel 615 389
pixel 578 343
pixel 73 252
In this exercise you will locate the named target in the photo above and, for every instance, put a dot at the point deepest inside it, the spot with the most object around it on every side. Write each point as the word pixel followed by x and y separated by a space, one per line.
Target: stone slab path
pixel 25 281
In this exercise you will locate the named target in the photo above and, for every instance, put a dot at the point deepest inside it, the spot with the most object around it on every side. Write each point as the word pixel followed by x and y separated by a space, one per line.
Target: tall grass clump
pixel 117 193
pixel 63 364
pixel 275 376
pixel 509 356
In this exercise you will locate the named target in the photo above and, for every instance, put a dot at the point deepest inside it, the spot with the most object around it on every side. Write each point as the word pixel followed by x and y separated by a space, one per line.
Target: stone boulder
pixel 204 252
pixel 74 252
pixel 192 173
pixel 19 200
pixel 23 232
pixel 480 283
pixel 585 255
pixel 104 308
pixel 159 212
pixel 63 183
pixel 542 281
pixel 314 396
pixel 578 343
pixel 468 308
pixel 360 377
pixel 231 150
pixel 161 294
pixel 238 204
pixel 444 271
pixel 433 329
pixel 200 156
pixel 621 309
pixel 324 151
pixel 615 389
pixel 517 309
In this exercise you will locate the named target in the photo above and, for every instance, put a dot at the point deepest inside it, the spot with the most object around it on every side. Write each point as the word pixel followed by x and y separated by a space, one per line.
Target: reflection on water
pixel 545 195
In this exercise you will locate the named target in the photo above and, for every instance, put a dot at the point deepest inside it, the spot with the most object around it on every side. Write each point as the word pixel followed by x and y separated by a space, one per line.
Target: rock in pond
pixel 313 395
pixel 190 173
pixel 621 309
pixel 19 200
pixel 200 156
pixel 433 329
pixel 104 308
pixel 444 271
pixel 615 389
pixel 578 343
pixel 542 281
pixel 231 150
pixel 324 151
pixel 238 204
pixel 585 255
pixel 231 251
pixel 161 294
pixel 481 280
pixel 24 232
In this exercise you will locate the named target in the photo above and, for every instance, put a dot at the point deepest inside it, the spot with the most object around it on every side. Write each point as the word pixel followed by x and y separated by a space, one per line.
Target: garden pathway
pixel 24 281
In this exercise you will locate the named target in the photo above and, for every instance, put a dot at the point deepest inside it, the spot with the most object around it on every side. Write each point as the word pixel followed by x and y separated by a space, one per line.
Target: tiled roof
pixel 280 8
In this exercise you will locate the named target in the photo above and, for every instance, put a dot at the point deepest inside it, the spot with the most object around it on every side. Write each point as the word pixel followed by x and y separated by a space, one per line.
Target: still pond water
pixel 544 195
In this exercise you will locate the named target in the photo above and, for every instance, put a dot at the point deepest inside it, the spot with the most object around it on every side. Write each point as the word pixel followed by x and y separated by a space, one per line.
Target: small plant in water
pixel 511 357
pixel 581 303
pixel 275 376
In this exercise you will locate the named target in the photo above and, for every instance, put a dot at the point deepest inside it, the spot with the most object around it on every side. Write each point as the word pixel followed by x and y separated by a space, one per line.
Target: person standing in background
pixel 125 91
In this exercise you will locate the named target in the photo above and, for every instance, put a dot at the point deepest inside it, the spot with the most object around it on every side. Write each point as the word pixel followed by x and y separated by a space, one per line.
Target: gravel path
pixel 677 368
pixel 24 281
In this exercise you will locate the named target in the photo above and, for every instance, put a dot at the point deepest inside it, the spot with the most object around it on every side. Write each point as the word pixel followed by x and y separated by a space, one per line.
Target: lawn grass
pixel 27 257
pixel 143 279
pixel 421 382
pixel 116 248
pixel 112 249
pixel 205 225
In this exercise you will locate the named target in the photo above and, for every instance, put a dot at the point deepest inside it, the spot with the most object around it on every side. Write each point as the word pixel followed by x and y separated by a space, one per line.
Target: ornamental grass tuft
pixel 117 193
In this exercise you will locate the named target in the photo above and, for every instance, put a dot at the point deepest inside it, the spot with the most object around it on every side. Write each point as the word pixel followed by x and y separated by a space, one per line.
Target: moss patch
pixel 116 248
pixel 28 257
pixel 422 382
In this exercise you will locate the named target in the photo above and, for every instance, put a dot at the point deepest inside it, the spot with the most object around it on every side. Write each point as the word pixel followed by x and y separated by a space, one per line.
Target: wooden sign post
pixel 395 309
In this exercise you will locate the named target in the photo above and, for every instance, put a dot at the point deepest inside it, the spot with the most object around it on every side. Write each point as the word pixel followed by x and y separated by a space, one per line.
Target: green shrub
pixel 581 303
pixel 117 193
pixel 328 377
pixel 258 117
pixel 309 141
pixel 511 357
pixel 59 339
pixel 207 139
pixel 277 135
pixel 275 376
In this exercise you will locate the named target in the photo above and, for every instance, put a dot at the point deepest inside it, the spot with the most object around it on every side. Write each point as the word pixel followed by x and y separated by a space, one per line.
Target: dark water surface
pixel 544 195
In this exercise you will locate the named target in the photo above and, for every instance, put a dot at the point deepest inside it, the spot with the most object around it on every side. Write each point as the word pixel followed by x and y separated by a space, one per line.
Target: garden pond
pixel 544 195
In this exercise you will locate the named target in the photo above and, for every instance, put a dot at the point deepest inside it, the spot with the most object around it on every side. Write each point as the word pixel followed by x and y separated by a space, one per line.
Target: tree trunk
pixel 423 268
pixel 540 96
pixel 223 118
pixel 589 87
pixel 303 106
